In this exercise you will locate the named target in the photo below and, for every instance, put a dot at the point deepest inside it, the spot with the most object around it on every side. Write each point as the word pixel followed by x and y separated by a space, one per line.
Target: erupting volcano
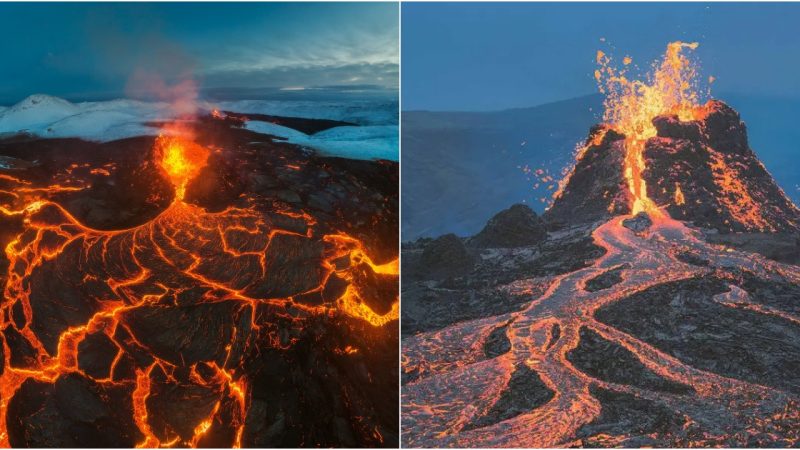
pixel 209 287
pixel 653 304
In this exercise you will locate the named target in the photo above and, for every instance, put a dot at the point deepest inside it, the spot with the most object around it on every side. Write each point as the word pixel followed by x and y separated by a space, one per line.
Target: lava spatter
pixel 165 319
pixel 631 105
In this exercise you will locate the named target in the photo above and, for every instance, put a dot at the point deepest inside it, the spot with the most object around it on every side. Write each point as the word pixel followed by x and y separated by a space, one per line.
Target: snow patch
pixel 364 142
pixel 51 117
pixel 376 137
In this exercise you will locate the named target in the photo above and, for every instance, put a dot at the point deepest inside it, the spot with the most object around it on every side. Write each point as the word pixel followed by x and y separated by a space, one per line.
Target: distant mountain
pixel 459 168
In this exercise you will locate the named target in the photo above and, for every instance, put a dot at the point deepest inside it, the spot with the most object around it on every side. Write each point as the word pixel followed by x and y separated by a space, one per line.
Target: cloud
pixel 352 46
pixel 357 53
pixel 127 46
pixel 381 74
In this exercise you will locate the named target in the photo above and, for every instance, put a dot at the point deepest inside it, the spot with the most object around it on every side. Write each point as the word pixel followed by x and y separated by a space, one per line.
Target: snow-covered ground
pixel 375 137
pixel 362 142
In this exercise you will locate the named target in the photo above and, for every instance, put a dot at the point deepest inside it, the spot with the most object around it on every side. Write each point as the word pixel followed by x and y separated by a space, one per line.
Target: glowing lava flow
pixel 239 263
pixel 460 384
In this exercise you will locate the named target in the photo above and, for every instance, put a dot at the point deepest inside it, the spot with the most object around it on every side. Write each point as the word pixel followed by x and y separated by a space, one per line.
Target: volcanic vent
pixel 206 288
pixel 701 171
pixel 624 325
pixel 661 152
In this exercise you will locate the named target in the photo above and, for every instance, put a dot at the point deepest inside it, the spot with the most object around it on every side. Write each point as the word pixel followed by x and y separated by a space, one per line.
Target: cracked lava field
pixel 209 287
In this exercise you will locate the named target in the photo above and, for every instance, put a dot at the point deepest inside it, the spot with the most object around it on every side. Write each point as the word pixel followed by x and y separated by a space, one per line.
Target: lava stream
pixel 478 383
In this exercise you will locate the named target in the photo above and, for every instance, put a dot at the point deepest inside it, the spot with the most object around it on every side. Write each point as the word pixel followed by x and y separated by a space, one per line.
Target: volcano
pixel 212 286
pixel 700 171
pixel 659 308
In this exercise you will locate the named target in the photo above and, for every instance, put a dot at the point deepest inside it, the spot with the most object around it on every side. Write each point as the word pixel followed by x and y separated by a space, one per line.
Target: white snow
pixel 48 117
pixel 375 137
pixel 364 142
pixel 361 112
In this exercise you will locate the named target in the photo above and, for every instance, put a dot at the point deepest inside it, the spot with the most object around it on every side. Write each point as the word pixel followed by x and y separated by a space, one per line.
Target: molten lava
pixel 631 106
pixel 258 269
pixel 181 159
pixel 679 199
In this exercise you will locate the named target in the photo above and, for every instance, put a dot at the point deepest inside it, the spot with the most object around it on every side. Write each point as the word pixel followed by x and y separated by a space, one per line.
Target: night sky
pixel 91 51
pixel 495 56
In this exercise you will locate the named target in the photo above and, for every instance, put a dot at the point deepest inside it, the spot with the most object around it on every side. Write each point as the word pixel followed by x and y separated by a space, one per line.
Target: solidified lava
pixel 641 326
pixel 209 287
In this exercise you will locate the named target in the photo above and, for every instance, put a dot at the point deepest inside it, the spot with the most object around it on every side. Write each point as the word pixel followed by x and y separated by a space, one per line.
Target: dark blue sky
pixel 487 56
pixel 91 50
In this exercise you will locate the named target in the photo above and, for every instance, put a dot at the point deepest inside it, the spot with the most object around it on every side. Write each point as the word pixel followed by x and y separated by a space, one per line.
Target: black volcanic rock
pixel 132 277
pixel 672 127
pixel 723 183
pixel 638 223
pixel 597 188
pixel 636 419
pixel 611 362
pixel 72 412
pixel 702 171
pixel 301 124
pixel 497 343
pixel 96 355
pixel 517 226
pixel 431 304
pixel 681 318
pixel 606 279
pixel 525 391
pixel 446 256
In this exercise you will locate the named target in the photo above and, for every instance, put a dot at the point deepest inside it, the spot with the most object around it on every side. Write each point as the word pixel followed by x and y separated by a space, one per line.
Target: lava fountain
pixel 181 160
pixel 631 105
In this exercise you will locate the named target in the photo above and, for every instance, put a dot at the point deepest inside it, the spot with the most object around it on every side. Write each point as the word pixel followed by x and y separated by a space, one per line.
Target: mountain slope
pixel 701 171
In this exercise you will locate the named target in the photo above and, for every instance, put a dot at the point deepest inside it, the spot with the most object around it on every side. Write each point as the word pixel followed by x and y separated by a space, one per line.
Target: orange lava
pixel 678 196
pixel 458 384
pixel 181 159
pixel 631 105
pixel 734 194
pixel 151 265
pixel 455 384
